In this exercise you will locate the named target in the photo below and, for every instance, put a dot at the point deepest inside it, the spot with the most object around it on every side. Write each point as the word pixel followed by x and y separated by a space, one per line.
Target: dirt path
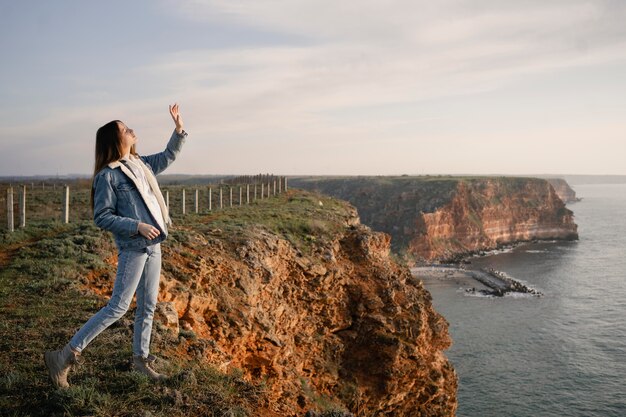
pixel 6 254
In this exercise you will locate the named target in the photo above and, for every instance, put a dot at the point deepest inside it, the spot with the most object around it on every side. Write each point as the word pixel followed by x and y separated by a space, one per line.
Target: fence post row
pixel 271 185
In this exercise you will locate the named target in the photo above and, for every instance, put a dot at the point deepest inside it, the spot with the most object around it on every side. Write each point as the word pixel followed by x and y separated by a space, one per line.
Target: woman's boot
pixel 144 366
pixel 59 363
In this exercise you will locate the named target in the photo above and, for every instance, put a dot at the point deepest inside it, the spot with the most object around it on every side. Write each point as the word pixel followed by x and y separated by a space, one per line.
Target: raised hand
pixel 176 117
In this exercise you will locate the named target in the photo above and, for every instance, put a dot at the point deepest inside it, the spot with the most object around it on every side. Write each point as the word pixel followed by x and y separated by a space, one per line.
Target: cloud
pixel 359 55
pixel 336 73
pixel 376 53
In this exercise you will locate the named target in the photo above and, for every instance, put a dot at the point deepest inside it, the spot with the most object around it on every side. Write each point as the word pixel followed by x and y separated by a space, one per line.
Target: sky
pixel 303 87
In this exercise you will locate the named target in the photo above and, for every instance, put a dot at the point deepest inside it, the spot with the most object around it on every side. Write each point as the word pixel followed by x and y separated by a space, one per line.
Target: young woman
pixel 126 201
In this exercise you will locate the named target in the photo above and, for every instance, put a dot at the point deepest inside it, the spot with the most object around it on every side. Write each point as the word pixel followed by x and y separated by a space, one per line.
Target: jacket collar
pixel 152 183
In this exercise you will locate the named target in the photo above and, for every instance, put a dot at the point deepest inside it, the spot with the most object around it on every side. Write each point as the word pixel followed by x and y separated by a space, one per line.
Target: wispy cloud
pixel 335 74
pixel 374 53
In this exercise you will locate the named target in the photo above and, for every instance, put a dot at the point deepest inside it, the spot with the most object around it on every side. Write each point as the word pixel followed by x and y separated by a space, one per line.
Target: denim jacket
pixel 119 205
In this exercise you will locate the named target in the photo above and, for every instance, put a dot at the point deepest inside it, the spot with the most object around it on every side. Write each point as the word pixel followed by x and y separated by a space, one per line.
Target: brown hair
pixel 108 149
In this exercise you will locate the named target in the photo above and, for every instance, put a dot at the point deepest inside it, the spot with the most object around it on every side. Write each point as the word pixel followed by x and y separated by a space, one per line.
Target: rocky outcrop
pixel 563 190
pixel 331 321
pixel 446 218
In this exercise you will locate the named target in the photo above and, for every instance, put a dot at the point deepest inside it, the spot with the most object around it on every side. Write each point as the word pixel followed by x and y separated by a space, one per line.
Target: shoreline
pixel 461 258
pixel 487 282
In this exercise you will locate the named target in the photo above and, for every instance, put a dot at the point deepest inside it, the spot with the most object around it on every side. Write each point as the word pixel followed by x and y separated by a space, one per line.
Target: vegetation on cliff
pixel 285 306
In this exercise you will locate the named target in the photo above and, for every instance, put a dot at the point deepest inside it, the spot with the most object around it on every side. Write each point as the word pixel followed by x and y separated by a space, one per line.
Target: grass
pixel 43 302
pixel 44 299
pixel 305 219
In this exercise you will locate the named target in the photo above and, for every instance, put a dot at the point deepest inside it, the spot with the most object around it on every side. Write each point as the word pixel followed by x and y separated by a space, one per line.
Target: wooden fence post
pixel 247 193
pixel 66 204
pixel 183 201
pixel 280 185
pixel 274 187
pixel 23 207
pixel 210 192
pixel 255 191
pixel 10 209
pixel 221 205
pixel 196 201
pixel 268 189
pixel 262 190
pixel 231 196
pixel 240 195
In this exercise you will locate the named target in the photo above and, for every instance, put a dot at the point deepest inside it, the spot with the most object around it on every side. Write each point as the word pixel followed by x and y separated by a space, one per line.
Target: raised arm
pixel 160 161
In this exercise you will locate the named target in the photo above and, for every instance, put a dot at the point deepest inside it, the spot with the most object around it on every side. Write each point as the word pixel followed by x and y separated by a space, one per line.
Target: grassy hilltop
pixel 54 276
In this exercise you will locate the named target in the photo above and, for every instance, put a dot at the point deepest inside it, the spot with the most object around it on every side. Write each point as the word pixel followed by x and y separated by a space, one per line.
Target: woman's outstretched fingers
pixel 175 113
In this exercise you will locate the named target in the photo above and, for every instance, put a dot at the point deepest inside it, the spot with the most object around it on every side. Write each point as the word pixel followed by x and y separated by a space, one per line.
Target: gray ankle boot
pixel 59 363
pixel 144 366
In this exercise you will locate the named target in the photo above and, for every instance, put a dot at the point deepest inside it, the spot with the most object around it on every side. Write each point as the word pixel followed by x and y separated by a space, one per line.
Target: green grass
pixel 43 302
pixel 305 219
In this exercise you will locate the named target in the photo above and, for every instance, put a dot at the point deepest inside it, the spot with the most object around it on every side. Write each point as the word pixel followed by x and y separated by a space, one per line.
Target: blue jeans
pixel 138 270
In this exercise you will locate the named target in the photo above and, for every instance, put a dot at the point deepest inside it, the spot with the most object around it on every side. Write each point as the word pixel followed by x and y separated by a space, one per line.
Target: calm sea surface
pixel 563 354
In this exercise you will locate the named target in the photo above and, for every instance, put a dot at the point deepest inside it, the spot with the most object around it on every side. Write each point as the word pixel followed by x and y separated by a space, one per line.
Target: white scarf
pixel 154 186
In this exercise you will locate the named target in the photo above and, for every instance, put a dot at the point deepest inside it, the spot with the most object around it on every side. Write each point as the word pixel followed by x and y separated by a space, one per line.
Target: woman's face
pixel 127 136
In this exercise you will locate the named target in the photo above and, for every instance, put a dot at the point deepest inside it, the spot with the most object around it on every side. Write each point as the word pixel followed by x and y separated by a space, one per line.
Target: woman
pixel 127 201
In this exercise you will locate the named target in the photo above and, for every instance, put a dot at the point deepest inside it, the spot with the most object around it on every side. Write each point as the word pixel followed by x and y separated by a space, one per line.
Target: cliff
pixel 563 190
pixel 445 218
pixel 297 293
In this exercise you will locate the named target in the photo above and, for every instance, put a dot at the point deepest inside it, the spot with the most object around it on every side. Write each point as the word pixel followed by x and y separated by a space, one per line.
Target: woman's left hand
pixel 177 117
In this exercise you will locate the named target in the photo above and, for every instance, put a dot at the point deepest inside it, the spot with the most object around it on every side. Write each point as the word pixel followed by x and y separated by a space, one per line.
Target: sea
pixel 562 354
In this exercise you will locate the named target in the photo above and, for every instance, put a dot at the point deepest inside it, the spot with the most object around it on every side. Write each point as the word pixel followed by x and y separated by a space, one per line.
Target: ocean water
pixel 563 354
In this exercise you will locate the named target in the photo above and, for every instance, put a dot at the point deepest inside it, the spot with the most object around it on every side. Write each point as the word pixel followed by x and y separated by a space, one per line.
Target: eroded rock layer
pixel 331 321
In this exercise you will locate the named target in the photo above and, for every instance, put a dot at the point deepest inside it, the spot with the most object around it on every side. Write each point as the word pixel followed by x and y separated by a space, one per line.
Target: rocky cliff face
pixel 486 214
pixel 444 218
pixel 563 190
pixel 329 321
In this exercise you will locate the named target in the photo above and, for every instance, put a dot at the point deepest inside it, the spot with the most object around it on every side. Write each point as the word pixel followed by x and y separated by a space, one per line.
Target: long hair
pixel 108 149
